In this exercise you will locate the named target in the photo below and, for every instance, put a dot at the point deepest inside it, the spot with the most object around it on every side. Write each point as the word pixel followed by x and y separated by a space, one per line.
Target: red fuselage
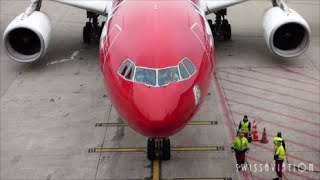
pixel 156 35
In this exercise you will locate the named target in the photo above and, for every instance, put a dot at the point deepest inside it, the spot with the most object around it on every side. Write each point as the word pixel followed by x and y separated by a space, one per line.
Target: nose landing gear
pixel 158 148
pixel 221 29
pixel 92 29
pixel 151 149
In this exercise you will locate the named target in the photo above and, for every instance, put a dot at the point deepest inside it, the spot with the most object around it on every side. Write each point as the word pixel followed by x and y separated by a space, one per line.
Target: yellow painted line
pixel 207 148
pixel 121 124
pixel 201 123
pixel 156 170
pixel 117 150
pixel 110 124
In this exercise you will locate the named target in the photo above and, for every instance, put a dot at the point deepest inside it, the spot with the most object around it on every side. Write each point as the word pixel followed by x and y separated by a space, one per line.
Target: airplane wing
pixel 211 6
pixel 102 7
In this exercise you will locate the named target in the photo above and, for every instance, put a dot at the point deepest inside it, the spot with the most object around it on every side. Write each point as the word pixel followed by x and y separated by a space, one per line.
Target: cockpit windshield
pixel 168 76
pixel 146 76
pixel 157 77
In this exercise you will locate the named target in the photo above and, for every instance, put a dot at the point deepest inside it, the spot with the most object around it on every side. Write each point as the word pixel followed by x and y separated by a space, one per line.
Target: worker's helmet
pixel 245 117
pixel 279 134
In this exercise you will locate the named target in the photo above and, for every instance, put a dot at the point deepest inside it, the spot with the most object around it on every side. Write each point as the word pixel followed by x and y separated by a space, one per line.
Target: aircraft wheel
pixel 226 28
pixel 212 26
pixel 151 149
pixel 87 31
pixel 165 149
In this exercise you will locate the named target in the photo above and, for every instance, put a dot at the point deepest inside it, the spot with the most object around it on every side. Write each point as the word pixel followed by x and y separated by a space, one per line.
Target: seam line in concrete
pixel 105 133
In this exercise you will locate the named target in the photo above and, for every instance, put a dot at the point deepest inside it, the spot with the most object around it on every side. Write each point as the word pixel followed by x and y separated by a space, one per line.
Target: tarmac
pixel 57 121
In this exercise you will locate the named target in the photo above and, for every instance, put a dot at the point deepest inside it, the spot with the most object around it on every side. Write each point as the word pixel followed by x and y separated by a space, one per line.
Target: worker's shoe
pixel 276 178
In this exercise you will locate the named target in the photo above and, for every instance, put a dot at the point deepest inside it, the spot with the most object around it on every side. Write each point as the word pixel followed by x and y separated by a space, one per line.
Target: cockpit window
pixel 130 72
pixel 154 76
pixel 183 71
pixel 146 76
pixel 168 75
pixel 124 67
pixel 189 66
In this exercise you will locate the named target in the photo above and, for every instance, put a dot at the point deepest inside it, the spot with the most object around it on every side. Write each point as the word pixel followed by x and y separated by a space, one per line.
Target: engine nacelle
pixel 287 33
pixel 27 38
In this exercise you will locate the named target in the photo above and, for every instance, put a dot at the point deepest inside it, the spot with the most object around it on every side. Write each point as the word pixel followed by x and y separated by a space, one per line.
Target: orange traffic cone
pixel 254 132
pixel 264 137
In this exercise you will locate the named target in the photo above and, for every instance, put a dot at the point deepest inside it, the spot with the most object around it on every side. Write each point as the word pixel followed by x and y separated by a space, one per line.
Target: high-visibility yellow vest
pixel 240 144
pixel 280 152
pixel 244 127
pixel 275 140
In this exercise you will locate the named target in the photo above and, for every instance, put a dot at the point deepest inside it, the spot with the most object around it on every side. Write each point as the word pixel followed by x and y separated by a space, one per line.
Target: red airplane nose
pixel 161 111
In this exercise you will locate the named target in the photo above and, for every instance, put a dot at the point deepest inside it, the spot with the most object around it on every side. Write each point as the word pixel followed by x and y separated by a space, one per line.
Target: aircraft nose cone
pixel 163 111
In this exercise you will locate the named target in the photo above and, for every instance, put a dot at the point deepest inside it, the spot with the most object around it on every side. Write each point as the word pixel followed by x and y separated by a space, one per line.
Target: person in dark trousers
pixel 275 140
pixel 245 127
pixel 279 156
pixel 240 145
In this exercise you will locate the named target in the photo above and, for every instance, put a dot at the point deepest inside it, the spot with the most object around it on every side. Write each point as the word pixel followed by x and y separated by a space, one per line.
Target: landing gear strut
pixel 92 29
pixel 221 29
pixel 158 148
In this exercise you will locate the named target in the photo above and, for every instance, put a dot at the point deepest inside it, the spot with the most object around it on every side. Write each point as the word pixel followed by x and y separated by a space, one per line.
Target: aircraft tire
pixel 165 149
pixel 212 26
pixel 151 149
pixel 226 28
pixel 87 31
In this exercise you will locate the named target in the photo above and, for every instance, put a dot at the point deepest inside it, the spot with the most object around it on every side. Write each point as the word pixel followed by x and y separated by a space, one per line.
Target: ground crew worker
pixel 275 140
pixel 240 145
pixel 245 126
pixel 279 155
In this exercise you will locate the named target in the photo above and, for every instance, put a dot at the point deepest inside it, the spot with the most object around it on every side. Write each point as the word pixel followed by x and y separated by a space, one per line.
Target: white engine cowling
pixel 27 38
pixel 287 33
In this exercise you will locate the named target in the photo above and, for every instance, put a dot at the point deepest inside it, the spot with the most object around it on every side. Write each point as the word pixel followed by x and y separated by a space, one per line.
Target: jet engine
pixel 286 32
pixel 27 37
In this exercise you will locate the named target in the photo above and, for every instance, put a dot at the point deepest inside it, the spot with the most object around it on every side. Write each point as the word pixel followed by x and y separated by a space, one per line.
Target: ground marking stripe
pixel 295 72
pixel 270 100
pixel 289 155
pixel 274 112
pixel 205 148
pixel 269 82
pixel 293 142
pixel 272 75
pixel 226 113
pixel 278 125
pixel 269 67
pixel 282 94
pixel 156 170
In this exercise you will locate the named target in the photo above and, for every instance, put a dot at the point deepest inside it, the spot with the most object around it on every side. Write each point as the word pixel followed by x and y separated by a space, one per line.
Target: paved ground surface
pixel 49 110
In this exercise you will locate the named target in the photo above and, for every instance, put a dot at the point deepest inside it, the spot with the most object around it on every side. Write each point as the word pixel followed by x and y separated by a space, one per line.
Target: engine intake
pixel 27 38
pixel 287 34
